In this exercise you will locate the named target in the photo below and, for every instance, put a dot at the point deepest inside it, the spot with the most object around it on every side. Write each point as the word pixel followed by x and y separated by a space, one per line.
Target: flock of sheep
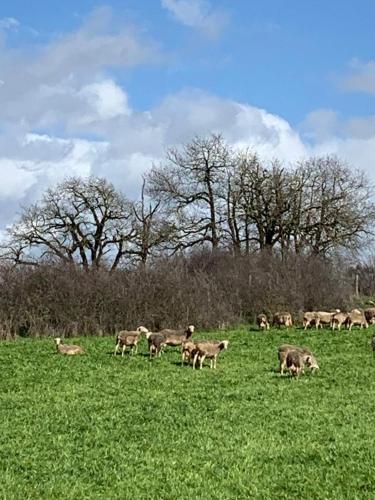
pixel 194 351
pixel 294 358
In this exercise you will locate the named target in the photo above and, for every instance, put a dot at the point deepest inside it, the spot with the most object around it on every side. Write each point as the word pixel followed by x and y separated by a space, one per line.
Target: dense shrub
pixel 210 290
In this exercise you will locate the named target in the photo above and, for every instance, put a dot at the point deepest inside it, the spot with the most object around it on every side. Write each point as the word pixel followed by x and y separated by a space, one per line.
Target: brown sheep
pixel 357 317
pixel 283 318
pixel 127 338
pixel 296 361
pixel 370 315
pixel 309 318
pixel 262 322
pixel 189 349
pixel 156 341
pixel 338 320
pixel 67 349
pixel 286 348
pixel 175 338
pixel 210 350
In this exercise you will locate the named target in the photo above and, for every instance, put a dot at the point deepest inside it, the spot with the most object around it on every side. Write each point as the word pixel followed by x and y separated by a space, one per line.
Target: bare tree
pixel 155 229
pixel 189 183
pixel 335 209
pixel 83 221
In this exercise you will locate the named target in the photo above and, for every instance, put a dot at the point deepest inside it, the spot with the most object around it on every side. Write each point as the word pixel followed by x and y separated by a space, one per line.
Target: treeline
pixel 216 236
pixel 210 290
pixel 204 195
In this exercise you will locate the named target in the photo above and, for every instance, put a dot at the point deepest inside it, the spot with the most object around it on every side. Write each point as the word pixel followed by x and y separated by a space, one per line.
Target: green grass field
pixel 102 427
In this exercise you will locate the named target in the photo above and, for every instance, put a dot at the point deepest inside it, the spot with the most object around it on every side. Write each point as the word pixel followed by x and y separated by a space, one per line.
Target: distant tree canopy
pixel 202 195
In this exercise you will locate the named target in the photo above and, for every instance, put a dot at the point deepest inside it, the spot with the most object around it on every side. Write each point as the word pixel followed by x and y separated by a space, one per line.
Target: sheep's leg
pixel 123 349
pixel 195 360
pixel 215 359
pixel 282 366
pixel 211 363
pixel 116 348
pixel 201 361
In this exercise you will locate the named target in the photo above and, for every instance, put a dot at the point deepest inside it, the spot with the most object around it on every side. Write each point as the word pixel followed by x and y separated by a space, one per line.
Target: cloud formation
pixel 64 113
pixel 361 77
pixel 198 14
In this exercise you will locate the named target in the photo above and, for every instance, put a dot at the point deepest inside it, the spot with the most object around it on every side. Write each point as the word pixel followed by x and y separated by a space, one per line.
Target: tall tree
pixel 189 182
pixel 84 221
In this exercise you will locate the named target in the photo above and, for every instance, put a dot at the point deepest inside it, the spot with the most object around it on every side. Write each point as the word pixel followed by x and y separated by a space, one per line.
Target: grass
pixel 102 427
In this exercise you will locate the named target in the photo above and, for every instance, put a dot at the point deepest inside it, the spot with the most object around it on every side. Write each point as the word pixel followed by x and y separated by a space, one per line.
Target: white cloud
pixel 197 14
pixel 66 89
pixel 9 23
pixel 361 77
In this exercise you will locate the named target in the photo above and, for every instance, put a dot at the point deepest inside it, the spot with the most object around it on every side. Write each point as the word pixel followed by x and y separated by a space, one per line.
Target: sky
pixel 105 89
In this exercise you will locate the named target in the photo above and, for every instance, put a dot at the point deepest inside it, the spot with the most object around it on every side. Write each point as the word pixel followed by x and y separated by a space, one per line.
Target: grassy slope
pixel 97 426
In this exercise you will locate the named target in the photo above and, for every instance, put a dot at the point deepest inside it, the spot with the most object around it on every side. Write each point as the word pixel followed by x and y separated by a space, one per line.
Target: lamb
pixel 156 341
pixel 67 349
pixel 188 351
pixel 209 349
pixel 130 339
pixel 309 358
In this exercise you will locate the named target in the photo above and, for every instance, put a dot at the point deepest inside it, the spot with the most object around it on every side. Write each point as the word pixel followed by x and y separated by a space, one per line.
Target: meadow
pixel 102 427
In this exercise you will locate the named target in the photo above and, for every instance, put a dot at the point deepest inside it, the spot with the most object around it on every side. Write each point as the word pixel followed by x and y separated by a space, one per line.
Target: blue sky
pixel 105 88
pixel 286 57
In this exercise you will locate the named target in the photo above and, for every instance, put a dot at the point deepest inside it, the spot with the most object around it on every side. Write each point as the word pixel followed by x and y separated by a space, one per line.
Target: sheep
pixel 296 361
pixel 68 349
pixel 262 322
pixel 211 350
pixel 357 317
pixel 177 337
pixel 284 350
pixel 156 341
pixel 127 338
pixel 189 349
pixel 339 319
pixel 283 318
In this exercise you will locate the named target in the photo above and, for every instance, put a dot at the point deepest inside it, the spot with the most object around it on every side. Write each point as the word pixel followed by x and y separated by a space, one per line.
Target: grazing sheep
pixel 68 349
pixel 283 318
pixel 262 322
pixel 156 341
pixel 294 363
pixel 357 317
pixel 285 349
pixel 338 320
pixel 209 349
pixel 370 315
pixel 325 318
pixel 309 318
